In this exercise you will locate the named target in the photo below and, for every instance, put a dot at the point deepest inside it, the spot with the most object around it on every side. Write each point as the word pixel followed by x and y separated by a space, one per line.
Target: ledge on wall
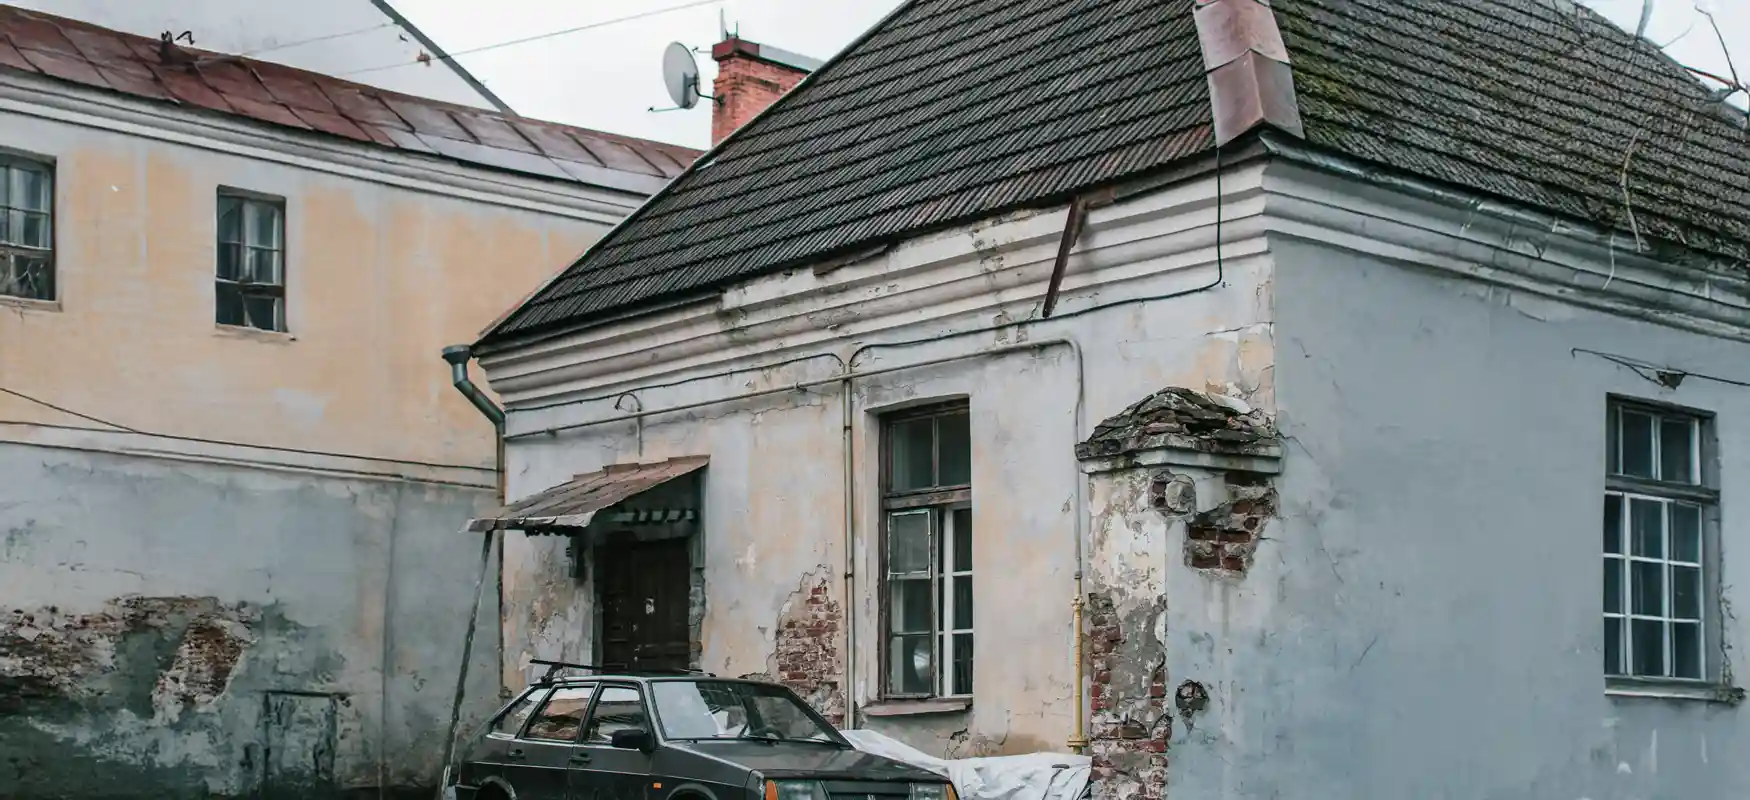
pixel 912 708
pixel 1184 427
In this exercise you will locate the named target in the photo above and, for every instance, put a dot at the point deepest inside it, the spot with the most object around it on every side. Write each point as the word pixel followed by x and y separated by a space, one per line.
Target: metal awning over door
pixel 571 505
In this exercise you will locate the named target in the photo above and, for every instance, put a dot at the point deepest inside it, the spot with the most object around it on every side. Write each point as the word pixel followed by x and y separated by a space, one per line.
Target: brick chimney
pixel 751 76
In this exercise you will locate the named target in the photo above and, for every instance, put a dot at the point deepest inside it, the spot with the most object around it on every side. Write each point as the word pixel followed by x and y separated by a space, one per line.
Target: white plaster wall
pixel 775 500
pixel 263 29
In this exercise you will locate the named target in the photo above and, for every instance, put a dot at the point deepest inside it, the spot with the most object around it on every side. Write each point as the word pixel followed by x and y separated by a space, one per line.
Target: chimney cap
pixel 736 46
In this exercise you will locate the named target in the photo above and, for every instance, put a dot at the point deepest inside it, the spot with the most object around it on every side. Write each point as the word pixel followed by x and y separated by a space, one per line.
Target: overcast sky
pixel 606 78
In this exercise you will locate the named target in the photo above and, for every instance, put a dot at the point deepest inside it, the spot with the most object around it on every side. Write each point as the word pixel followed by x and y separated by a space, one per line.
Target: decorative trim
pixel 1246 63
pixel 55 102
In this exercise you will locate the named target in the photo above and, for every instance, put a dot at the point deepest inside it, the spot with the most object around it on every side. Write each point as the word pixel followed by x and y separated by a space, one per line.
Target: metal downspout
pixel 458 356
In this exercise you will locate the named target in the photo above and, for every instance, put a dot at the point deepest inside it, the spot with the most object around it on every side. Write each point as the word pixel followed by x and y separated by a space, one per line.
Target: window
pixel 1657 548
pixel 562 717
pixel 927 502
pixel 27 205
pixel 250 291
pixel 619 708
pixel 511 721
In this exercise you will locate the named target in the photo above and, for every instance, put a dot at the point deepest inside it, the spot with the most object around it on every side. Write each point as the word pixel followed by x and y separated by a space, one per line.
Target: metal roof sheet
pixel 262 91
pixel 573 504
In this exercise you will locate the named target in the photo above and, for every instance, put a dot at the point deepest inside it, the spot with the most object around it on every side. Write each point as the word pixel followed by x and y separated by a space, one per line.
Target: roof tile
pixel 952 110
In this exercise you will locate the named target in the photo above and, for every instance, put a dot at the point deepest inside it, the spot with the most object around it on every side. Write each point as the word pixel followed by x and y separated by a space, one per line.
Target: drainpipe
pixel 458 357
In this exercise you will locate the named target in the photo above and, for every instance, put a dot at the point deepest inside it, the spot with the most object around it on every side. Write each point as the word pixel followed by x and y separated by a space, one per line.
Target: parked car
pixel 674 737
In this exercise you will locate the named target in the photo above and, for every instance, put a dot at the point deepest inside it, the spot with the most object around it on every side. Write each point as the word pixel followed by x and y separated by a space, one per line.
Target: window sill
pixel 914 708
pixel 257 334
pixel 30 304
pixel 1702 691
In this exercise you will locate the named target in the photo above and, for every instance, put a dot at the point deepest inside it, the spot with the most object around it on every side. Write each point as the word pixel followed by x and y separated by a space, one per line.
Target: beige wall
pixel 380 278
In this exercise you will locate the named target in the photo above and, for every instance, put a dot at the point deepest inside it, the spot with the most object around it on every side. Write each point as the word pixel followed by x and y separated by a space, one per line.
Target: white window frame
pixel 1627 492
pixel 250 206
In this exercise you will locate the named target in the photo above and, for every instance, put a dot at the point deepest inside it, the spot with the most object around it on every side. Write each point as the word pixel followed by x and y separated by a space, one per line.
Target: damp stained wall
pixel 158 595
pixel 774 511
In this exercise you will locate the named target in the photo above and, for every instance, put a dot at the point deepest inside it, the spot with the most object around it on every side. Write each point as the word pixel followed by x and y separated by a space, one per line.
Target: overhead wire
pixel 535 38
pixel 314 39
pixel 116 427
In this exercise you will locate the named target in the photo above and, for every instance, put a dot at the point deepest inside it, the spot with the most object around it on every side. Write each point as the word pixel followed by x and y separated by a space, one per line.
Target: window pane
pixel 618 709
pixel 909 605
pixel 230 220
pixel 1686 593
pixel 963 603
pixel 1649 647
pixel 230 261
pixel 962 681
pixel 263 311
pixel 1613 585
pixel 909 669
pixel 562 717
pixel 1685 533
pixel 31 190
pixel 229 302
pixel 265 230
pixel 1637 444
pixel 1686 650
pixel 954 448
pixel 962 539
pixel 1613 645
pixel 12 227
pixel 512 721
pixel 263 266
pixel 913 457
pixel 26 276
pixel 1646 527
pixel 1612 523
pixel 1676 451
pixel 908 542
pixel 1646 584
pixel 33 230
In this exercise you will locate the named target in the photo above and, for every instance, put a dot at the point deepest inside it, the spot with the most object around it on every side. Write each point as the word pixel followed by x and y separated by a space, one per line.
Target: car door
pixel 487 758
pixel 613 773
pixel 537 762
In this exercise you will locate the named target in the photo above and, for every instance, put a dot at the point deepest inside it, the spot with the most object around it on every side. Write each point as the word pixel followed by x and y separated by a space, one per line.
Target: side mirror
pixel 633 739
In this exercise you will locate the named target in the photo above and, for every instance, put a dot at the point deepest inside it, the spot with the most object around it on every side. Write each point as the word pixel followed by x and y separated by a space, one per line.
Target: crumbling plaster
pixel 774 501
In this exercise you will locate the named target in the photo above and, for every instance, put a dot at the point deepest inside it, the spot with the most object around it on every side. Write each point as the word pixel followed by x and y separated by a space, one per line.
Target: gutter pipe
pixel 458 357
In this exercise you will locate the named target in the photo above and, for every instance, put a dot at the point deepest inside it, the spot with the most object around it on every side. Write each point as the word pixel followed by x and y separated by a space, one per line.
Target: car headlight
pixel 795 790
pixel 933 791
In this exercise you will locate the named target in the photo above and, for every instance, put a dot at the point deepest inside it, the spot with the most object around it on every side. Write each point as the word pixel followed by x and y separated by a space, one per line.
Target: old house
pixel 231 466
pixel 1289 399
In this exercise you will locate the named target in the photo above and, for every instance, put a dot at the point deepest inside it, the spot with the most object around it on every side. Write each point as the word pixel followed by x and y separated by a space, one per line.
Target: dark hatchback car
pixel 675 737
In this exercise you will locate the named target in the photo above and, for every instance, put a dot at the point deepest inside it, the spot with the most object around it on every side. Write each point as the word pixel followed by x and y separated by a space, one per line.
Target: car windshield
pixel 694 710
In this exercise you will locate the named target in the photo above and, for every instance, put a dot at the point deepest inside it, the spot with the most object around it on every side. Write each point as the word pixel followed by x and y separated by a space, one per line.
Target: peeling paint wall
pixel 151 610
pixel 775 499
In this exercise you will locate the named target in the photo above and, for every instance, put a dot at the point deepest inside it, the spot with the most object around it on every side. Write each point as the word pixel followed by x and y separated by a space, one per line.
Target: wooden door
pixel 644 592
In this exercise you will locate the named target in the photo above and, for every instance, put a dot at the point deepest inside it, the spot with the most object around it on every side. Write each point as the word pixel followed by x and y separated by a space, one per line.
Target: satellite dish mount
pixel 680 75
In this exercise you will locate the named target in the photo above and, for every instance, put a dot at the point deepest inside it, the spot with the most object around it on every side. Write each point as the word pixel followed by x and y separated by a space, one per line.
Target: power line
pixel 536 38
pixel 116 426
pixel 301 42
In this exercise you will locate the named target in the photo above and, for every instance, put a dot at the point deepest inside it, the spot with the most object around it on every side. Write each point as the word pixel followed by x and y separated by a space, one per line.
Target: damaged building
pixel 1253 396
pixel 230 476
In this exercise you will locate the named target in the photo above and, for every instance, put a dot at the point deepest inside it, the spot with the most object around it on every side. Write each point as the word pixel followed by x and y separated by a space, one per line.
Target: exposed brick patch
pixel 805 656
pixel 1226 537
pixel 1130 725
pixel 205 660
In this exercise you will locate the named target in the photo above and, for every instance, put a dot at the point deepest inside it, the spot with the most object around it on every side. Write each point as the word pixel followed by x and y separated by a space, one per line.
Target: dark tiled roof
pixel 262 91
pixel 1538 101
pixel 955 109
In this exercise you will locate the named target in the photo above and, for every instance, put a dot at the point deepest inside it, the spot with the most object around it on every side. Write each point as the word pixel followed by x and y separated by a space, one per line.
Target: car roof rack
pixel 554 667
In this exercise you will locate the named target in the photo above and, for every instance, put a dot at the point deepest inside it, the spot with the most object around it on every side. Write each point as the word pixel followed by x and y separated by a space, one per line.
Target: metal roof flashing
pixel 1246 62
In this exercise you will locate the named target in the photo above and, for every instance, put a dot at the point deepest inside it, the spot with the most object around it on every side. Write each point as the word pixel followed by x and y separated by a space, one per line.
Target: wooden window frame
pixel 51 291
pixel 248 289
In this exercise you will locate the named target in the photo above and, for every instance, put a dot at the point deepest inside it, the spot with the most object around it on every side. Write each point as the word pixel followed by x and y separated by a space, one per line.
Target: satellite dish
pixel 680 74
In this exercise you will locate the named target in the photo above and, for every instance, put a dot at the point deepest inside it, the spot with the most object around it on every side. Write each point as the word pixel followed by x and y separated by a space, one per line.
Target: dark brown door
pixel 644 595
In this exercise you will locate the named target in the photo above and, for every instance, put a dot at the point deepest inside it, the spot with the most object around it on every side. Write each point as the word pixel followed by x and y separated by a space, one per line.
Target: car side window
pixel 562 716
pixel 619 708
pixel 511 721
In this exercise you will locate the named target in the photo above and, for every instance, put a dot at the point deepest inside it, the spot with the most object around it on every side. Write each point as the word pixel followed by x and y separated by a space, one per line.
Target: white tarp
pixel 1034 776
